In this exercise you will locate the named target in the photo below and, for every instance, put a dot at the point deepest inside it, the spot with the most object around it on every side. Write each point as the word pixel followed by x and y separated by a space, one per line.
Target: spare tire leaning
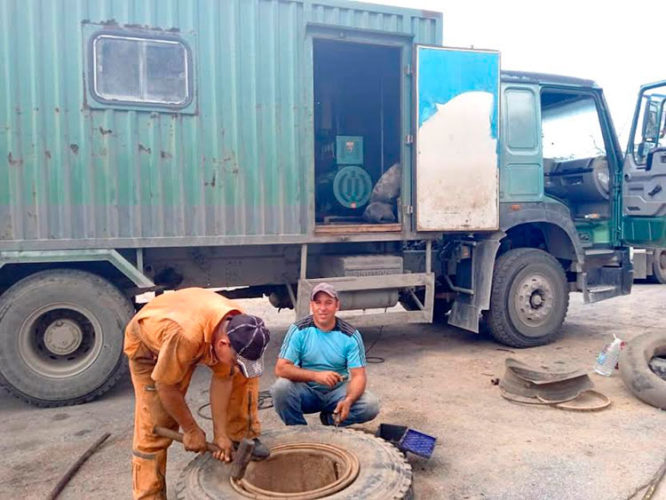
pixel 383 472
pixel 635 370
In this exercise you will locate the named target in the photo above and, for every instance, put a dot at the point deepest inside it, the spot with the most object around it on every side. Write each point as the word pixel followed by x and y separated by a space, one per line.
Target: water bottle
pixel 607 358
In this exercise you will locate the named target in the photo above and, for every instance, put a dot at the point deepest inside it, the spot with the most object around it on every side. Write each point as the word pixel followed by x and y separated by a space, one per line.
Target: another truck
pixel 267 145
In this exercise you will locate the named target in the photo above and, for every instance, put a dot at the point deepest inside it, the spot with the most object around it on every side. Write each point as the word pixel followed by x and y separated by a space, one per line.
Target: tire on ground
pixel 636 373
pixel 61 337
pixel 658 266
pixel 529 298
pixel 384 473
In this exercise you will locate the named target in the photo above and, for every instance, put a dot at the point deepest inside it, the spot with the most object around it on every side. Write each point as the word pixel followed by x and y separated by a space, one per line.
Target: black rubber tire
pixel 384 473
pixel 658 266
pixel 105 310
pixel 635 370
pixel 504 319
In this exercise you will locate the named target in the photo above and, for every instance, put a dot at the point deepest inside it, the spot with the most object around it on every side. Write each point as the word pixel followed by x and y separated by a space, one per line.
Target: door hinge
pixel 408 209
pixel 408 70
pixel 409 139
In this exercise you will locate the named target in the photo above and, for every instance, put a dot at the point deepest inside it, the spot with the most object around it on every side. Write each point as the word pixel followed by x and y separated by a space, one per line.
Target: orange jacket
pixel 175 331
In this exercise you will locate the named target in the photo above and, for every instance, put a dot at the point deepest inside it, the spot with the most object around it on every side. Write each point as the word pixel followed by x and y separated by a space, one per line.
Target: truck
pixel 264 146
pixel 650 264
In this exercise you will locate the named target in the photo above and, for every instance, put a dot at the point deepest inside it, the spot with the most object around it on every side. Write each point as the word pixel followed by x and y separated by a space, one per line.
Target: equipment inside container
pixel 357 126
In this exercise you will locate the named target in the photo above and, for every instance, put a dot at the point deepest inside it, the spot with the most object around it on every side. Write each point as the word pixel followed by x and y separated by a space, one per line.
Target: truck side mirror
pixel 650 124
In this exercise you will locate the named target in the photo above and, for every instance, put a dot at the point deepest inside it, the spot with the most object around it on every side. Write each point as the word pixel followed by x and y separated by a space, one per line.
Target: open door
pixel 457 115
pixel 644 189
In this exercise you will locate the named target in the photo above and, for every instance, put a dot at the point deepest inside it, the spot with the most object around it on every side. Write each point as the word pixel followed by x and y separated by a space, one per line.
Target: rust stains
pixel 212 181
pixel 144 149
pixel 74 148
pixel 14 161
pixel 104 131
pixel 47 153
pixel 165 155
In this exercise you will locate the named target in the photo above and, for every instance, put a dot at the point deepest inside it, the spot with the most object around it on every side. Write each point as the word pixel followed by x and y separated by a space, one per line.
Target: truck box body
pixel 271 145
pixel 232 166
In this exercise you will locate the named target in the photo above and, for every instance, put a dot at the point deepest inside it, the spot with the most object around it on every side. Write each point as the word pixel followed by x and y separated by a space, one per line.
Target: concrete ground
pixel 434 379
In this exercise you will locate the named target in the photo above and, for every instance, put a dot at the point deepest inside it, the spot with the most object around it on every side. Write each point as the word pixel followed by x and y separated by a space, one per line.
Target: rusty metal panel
pixel 235 169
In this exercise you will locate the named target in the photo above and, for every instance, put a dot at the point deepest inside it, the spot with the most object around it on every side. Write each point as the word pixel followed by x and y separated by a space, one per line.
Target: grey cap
pixel 326 288
pixel 249 337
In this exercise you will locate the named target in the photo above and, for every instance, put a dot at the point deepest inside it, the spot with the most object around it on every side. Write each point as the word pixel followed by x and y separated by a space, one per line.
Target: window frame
pixel 96 100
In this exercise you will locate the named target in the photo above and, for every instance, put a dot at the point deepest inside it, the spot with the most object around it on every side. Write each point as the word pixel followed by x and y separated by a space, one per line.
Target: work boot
pixel 260 451
pixel 326 418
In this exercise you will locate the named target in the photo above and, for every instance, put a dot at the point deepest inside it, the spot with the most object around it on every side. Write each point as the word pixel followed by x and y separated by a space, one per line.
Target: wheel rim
pixel 60 340
pixel 271 478
pixel 534 300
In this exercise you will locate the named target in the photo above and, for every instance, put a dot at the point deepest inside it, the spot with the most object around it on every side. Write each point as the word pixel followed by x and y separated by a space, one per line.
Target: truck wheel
pixel 659 266
pixel 635 369
pixel 529 298
pixel 61 337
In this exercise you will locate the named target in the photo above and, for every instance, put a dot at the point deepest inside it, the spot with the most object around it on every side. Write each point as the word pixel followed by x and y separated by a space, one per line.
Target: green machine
pixel 352 185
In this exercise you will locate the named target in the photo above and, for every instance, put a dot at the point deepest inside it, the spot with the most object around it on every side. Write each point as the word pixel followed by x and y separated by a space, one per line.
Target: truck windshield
pixel 571 129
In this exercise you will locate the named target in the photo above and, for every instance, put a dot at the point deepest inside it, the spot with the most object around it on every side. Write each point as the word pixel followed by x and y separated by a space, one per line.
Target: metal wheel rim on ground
pixel 348 459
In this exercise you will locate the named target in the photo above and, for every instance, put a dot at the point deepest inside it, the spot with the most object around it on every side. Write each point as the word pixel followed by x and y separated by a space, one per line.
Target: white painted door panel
pixel 457 180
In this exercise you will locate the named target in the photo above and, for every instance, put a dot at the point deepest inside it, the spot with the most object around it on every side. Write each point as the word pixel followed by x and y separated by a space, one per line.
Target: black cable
pixel 265 401
pixel 374 359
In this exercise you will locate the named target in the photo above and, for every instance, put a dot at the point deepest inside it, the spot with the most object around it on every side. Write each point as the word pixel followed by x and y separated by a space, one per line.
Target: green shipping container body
pixel 233 164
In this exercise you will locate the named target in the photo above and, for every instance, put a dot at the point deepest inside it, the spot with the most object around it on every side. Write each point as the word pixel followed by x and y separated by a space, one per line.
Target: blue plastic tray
pixel 417 443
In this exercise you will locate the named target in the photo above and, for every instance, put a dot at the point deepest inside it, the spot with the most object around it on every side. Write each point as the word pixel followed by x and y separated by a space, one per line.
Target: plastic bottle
pixel 607 358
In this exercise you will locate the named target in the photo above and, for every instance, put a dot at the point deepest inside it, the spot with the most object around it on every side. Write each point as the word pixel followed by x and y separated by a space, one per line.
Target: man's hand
pixel 226 449
pixel 341 411
pixel 194 439
pixel 327 378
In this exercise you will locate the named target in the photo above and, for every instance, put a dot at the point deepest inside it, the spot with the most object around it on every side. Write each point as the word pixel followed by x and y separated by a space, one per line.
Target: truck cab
pixel 569 203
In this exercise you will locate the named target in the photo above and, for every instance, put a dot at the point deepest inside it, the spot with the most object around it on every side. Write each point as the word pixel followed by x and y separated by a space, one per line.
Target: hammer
pixel 242 455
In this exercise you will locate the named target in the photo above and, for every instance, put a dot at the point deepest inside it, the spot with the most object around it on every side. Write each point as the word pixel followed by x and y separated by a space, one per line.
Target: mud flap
pixel 468 305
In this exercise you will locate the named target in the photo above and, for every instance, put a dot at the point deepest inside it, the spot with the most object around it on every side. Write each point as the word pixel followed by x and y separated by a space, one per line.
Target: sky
pixel 619 46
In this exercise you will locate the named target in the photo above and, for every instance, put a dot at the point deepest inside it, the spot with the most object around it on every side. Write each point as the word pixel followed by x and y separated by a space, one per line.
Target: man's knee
pixel 283 389
pixel 369 405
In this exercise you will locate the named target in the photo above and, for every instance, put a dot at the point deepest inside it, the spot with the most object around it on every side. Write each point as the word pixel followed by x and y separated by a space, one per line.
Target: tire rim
pixel 60 340
pixel 257 483
pixel 534 300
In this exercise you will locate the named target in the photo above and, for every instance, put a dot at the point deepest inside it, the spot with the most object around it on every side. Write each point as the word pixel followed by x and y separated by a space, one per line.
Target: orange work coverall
pixel 164 342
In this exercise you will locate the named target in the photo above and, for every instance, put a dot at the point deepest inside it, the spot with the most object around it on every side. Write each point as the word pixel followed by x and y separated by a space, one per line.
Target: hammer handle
pixel 178 436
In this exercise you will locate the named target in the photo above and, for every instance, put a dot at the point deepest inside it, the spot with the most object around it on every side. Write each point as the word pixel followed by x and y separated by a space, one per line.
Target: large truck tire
pixel 383 472
pixel 529 298
pixel 61 337
pixel 635 370
pixel 658 266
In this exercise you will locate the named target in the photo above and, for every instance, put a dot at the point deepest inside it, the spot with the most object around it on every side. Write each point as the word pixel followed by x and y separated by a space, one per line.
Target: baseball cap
pixel 249 337
pixel 326 288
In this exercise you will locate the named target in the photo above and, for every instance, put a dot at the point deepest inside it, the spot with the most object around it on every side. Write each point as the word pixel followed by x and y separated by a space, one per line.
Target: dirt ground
pixel 434 379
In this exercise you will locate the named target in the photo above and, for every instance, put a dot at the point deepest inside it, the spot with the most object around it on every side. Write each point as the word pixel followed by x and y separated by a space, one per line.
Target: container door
pixel 644 182
pixel 457 115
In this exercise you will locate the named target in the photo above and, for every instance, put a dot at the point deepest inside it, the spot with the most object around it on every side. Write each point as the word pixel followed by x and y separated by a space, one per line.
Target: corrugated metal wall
pixel 236 171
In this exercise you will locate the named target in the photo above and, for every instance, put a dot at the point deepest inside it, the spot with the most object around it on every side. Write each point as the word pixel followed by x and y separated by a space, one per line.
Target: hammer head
pixel 242 457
